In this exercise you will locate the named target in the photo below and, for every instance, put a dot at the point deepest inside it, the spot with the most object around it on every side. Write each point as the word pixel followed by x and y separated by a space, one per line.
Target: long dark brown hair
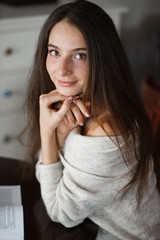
pixel 110 89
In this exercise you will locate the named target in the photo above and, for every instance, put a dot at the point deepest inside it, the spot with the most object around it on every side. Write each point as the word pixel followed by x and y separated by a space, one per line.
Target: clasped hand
pixel 61 114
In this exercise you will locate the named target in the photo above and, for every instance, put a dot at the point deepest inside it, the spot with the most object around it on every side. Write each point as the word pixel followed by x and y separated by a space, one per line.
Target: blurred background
pixel 138 24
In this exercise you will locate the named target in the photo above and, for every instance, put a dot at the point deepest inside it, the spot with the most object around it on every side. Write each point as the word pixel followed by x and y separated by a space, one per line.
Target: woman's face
pixel 67 59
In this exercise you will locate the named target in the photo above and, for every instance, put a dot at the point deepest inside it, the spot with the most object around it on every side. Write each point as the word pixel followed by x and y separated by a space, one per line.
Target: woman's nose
pixel 64 67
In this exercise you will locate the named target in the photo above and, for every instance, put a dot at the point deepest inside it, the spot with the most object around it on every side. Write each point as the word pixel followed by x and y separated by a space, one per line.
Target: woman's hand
pixel 74 117
pixel 61 113
pixel 51 116
pixel 49 120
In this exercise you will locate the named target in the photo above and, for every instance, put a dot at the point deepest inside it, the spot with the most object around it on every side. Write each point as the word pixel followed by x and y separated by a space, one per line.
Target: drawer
pixel 12 91
pixel 17 50
pixel 10 127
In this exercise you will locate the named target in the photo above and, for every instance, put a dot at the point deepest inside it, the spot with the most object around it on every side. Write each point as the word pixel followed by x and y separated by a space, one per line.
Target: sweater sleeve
pixel 77 185
pixel 69 196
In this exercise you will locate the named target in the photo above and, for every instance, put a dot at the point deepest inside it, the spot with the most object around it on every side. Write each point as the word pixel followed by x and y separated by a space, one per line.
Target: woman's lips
pixel 66 83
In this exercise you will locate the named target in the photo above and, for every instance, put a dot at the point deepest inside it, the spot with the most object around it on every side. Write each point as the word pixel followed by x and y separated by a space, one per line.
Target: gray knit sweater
pixel 86 183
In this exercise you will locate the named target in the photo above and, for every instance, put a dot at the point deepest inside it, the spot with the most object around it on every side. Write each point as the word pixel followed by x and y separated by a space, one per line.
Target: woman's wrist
pixel 49 149
pixel 60 138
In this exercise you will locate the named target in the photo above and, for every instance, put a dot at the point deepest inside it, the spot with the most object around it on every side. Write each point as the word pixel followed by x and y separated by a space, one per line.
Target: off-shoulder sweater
pixel 86 183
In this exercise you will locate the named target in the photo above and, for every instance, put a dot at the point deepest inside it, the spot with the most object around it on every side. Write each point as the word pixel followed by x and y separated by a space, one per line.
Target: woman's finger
pixel 66 120
pixel 70 117
pixel 49 99
pixel 83 108
pixel 78 115
pixel 60 114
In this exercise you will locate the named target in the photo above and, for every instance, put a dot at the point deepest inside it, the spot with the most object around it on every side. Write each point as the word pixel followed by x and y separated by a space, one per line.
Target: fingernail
pixel 87 114
pixel 74 123
pixel 70 99
pixel 81 124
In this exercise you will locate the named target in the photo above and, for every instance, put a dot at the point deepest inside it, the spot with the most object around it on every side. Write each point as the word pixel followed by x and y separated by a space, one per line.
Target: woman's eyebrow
pixel 79 49
pixel 73 50
pixel 54 46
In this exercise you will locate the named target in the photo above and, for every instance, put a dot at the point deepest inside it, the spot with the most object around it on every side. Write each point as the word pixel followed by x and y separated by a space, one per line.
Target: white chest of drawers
pixel 18 38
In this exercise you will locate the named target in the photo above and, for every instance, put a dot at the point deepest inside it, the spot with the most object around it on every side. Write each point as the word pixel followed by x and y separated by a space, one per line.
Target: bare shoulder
pixel 93 129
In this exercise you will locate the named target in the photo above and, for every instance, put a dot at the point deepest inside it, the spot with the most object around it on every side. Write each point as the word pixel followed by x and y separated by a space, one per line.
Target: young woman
pixel 89 127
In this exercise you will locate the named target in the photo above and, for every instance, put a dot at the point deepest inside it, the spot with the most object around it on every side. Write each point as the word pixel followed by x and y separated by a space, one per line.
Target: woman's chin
pixel 68 93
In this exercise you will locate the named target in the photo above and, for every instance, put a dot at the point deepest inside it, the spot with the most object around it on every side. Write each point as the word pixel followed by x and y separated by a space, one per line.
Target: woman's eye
pixel 54 52
pixel 81 56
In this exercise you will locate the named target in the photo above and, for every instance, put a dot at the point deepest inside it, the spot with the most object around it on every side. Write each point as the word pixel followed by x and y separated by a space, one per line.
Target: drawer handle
pixel 8 51
pixel 7 139
pixel 7 93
